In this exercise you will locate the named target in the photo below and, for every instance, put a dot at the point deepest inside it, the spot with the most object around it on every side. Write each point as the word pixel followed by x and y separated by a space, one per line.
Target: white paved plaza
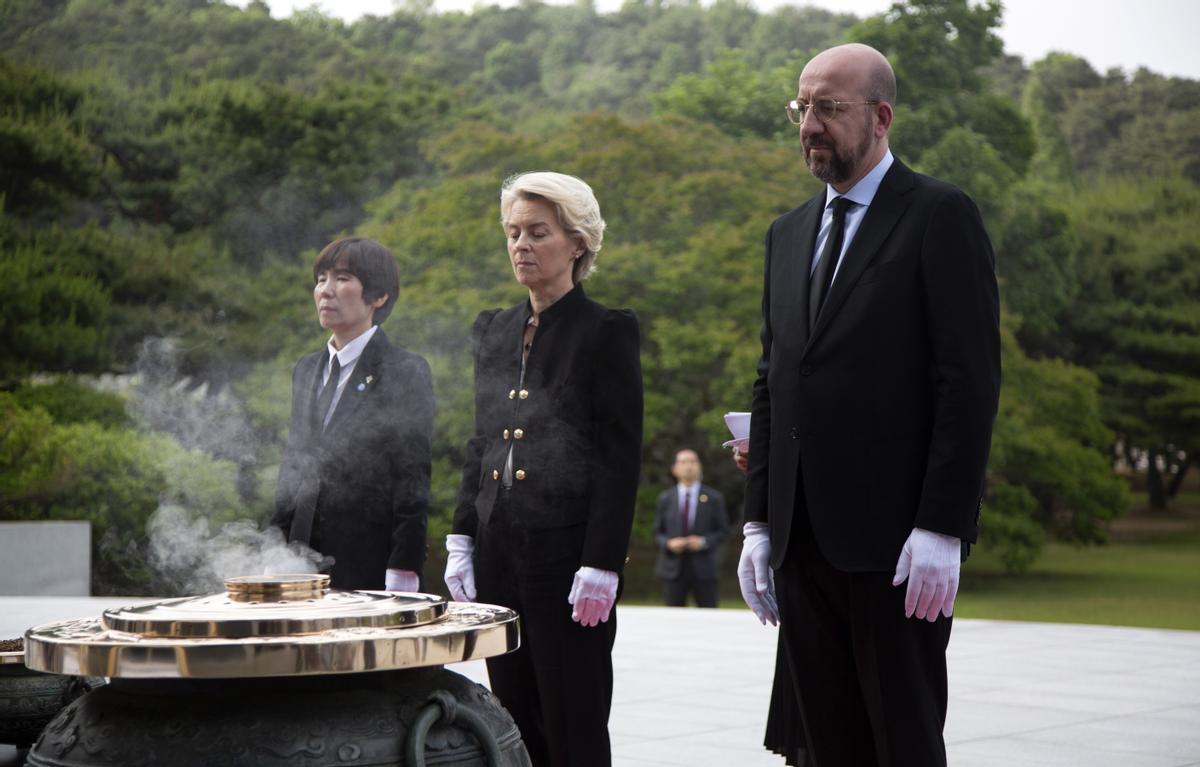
pixel 692 689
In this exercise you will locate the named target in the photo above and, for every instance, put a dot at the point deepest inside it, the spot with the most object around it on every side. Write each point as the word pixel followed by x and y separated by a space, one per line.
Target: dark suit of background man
pixel 354 480
pixel 689 523
pixel 870 426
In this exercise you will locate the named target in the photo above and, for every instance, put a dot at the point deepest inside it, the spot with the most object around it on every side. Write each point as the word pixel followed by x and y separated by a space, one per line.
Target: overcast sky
pixel 1159 34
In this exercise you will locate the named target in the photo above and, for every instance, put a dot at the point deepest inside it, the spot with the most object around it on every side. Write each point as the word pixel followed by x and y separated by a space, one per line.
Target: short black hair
pixel 373 265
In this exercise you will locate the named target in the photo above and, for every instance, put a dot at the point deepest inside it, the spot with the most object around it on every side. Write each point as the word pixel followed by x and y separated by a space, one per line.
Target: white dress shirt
pixel 347 357
pixel 862 194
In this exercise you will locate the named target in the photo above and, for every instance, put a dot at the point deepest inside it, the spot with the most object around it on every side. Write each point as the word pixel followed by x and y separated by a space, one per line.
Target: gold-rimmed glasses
pixel 825 109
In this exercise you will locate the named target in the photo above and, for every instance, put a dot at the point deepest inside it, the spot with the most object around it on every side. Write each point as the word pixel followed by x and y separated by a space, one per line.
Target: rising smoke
pixel 166 401
pixel 191 551
pixel 195 556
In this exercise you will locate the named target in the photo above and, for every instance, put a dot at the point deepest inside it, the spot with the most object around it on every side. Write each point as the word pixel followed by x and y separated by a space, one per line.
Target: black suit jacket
pixel 369 472
pixel 878 419
pixel 711 522
pixel 574 425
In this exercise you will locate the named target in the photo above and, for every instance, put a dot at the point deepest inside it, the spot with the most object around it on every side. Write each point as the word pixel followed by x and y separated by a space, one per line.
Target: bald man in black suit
pixel 871 422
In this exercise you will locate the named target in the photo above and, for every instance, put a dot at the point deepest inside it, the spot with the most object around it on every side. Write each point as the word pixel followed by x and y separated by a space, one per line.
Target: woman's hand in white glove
pixel 460 567
pixel 592 594
pixel 401 580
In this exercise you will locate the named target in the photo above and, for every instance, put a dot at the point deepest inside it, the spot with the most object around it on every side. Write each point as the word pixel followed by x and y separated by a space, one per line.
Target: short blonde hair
pixel 573 201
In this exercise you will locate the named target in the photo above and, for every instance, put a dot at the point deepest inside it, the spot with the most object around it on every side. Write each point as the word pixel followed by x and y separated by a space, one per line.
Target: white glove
pixel 460 567
pixel 401 580
pixel 592 594
pixel 930 562
pixel 754 573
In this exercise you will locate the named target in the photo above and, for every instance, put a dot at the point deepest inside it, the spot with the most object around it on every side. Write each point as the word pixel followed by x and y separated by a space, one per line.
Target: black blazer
pixel 880 416
pixel 575 425
pixel 711 521
pixel 369 471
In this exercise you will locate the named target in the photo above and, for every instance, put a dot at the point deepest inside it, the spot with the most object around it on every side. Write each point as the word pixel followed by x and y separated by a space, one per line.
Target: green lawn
pixel 1148 574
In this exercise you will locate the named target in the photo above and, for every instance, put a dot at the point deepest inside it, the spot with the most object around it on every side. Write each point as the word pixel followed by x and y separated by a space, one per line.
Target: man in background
pixel 690 522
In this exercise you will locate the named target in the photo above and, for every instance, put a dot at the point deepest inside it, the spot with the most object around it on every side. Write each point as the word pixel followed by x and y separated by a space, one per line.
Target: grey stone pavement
pixel 692 689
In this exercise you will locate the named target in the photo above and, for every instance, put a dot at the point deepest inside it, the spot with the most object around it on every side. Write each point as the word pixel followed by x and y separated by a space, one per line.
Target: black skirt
pixel 785 723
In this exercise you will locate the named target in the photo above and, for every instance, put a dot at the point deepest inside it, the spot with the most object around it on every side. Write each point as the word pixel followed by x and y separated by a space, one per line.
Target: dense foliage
pixel 169 169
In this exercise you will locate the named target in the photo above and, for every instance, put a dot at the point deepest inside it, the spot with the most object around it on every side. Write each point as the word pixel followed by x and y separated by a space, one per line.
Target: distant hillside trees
pixel 169 169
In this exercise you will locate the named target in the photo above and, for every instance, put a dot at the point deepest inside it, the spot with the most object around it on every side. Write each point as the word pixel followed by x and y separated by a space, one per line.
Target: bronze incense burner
pixel 279 670
pixel 29 699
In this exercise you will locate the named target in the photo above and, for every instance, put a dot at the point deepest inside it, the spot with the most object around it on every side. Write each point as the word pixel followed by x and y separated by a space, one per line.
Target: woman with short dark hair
pixel 354 480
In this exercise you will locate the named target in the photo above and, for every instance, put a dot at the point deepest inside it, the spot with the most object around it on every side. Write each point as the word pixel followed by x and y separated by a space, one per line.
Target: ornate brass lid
pixel 273 626
pixel 279 605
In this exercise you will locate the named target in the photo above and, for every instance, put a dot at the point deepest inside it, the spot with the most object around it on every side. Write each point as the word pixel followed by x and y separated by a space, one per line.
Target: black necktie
pixel 325 399
pixel 822 277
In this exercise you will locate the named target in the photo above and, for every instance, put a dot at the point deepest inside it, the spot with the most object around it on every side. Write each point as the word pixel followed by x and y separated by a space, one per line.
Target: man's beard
pixel 840 166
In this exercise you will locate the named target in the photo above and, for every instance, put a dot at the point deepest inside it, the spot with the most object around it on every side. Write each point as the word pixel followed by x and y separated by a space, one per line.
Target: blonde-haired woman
pixel 547 497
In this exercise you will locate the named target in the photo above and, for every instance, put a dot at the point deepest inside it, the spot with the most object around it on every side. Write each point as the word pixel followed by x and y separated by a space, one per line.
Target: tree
pixel 267 171
pixel 46 160
pixel 938 49
pixel 67 400
pixel 54 321
pixel 1048 471
pixel 737 98
pixel 1053 84
pixel 1035 252
pixel 966 159
pixel 1086 122
pixel 510 66
pixel 1136 320
pixel 787 33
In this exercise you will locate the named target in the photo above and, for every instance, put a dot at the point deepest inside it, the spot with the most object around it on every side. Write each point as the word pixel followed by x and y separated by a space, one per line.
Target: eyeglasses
pixel 825 109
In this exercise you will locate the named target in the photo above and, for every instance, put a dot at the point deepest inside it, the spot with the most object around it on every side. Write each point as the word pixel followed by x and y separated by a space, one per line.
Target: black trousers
pixel 871 682
pixel 676 590
pixel 558 684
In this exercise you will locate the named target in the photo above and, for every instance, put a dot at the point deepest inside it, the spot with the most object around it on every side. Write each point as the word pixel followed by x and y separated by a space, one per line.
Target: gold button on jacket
pixel 519 474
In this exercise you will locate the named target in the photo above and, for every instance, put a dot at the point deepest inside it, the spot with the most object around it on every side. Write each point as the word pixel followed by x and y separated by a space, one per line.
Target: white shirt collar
pixel 864 191
pixel 350 353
